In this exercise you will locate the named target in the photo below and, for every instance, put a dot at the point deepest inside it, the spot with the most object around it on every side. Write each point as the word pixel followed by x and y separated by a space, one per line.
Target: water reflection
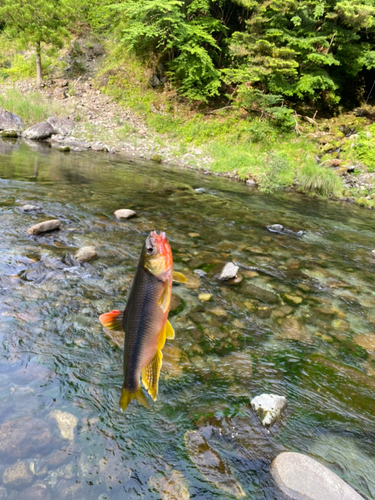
pixel 300 325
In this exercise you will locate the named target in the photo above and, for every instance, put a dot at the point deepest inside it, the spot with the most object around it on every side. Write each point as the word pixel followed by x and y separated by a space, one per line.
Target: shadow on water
pixel 301 326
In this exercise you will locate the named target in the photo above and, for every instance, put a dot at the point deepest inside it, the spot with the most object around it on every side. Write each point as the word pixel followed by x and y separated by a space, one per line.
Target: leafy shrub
pixel 319 180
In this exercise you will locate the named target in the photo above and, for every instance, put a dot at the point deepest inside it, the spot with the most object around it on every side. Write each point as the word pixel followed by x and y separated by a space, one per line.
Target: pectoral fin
pixel 169 334
pixel 179 277
pixel 150 375
pixel 165 298
pixel 112 320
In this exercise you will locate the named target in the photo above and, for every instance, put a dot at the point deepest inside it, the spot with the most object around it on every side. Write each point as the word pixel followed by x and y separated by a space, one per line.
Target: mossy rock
pixel 156 158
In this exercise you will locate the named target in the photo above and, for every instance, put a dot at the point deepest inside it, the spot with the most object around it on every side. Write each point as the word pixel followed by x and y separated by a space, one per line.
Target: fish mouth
pixel 159 237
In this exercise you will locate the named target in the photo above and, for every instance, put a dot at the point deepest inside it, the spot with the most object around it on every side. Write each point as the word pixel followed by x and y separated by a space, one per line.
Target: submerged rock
pixel 124 213
pixel 43 227
pixel 171 487
pixel 24 437
pixel 39 131
pixel 37 491
pixel 301 478
pixel 85 254
pixel 268 407
pixel 211 465
pixel 278 228
pixel 261 294
pixel 292 329
pixel 18 474
pixel 66 423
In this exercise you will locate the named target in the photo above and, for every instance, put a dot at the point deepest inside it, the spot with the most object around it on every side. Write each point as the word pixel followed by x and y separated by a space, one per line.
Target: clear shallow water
pixel 303 327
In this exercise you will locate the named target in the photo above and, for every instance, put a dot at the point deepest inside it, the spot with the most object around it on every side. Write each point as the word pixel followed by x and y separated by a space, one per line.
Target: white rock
pixel 228 272
pixel 124 213
pixel 302 478
pixel 268 407
pixel 18 474
pixel 66 423
pixel 43 227
pixel 85 254
pixel 30 208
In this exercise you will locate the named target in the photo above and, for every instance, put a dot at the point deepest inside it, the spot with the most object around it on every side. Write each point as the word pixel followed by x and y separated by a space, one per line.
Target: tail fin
pixel 127 396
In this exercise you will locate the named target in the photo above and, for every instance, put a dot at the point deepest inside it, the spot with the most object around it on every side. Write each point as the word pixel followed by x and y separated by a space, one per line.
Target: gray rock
pixel 43 227
pixel 18 474
pixel 302 478
pixel 200 273
pixel 268 407
pixel 200 190
pixel 24 437
pixel 10 124
pixel 228 272
pixel 251 183
pixel 261 294
pixel 61 126
pixel 98 147
pixel 37 491
pixel 85 254
pixel 278 228
pixel 30 208
pixel 124 213
pixel 39 131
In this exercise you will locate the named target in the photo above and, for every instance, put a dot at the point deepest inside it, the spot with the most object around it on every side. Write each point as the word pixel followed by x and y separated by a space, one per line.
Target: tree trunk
pixel 38 65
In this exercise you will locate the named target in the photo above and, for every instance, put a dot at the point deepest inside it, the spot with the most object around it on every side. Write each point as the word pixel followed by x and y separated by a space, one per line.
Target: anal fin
pixel 151 373
pixel 112 320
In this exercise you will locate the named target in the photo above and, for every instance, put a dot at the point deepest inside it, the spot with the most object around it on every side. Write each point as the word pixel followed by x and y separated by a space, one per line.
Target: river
pixel 301 327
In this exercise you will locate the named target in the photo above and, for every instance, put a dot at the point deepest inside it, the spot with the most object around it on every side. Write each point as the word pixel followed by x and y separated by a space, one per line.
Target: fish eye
pixel 150 250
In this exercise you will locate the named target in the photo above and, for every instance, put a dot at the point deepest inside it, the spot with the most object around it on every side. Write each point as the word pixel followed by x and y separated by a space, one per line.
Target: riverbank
pixel 318 158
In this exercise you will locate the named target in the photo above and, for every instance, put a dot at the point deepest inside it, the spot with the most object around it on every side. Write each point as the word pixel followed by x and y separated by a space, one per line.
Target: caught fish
pixel 145 319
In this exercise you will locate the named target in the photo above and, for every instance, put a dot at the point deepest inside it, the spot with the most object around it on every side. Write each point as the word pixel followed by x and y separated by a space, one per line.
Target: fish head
pixel 157 255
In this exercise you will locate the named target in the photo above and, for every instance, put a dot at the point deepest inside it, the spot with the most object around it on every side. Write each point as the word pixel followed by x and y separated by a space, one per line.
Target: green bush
pixel 276 174
pixel 318 180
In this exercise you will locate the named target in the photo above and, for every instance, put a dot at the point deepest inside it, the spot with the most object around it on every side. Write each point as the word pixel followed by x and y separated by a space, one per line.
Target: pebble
pixel 268 407
pixel 302 478
pixel 365 340
pixel 200 272
pixel 18 474
pixel 229 271
pixel 292 329
pixel 292 299
pixel 124 213
pixel 85 254
pixel 66 423
pixel 205 296
pixel 30 208
pixel 43 227
pixel 172 486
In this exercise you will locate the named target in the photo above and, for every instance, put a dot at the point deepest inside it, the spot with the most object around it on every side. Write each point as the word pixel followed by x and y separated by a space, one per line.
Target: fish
pixel 145 320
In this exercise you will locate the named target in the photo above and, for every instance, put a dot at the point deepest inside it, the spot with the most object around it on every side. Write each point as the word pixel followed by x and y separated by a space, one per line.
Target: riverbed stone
pixel 301 478
pixel 261 294
pixel 44 227
pixel 37 491
pixel 39 131
pixel 30 208
pixel 228 272
pixel 293 329
pixel 211 465
pixel 66 423
pixel 85 254
pixel 366 340
pixel 292 299
pixel 10 124
pixel 24 437
pixel 172 486
pixel 124 213
pixel 18 474
pixel 268 407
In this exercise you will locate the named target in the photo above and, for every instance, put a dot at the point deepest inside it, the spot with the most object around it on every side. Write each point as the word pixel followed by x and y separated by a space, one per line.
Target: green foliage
pixel 276 173
pixel 31 108
pixel 364 149
pixel 318 180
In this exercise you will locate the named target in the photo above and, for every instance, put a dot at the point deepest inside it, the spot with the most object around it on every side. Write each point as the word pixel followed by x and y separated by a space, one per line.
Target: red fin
pixel 112 320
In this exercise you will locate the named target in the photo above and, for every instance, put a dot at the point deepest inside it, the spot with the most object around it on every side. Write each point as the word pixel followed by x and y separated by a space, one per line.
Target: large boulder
pixel 39 131
pixel 10 124
pixel 61 126
pixel 302 478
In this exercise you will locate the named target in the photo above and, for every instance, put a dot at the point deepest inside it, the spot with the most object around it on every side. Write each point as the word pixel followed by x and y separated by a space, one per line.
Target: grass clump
pixel 31 108
pixel 318 180
pixel 276 173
